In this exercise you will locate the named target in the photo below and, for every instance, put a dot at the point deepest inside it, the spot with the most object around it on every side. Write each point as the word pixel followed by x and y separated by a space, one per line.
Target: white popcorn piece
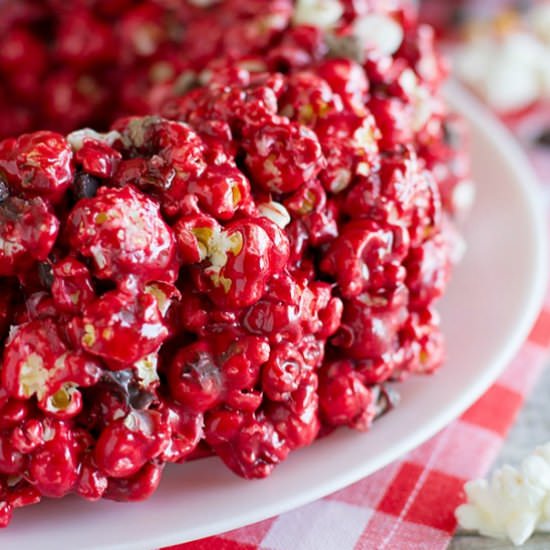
pixel 220 244
pixel 203 3
pixel 514 503
pixel 34 376
pixel 496 73
pixel 341 180
pixel 378 31
pixel 537 471
pixel 275 212
pixel 146 369
pixel 323 14
pixel 76 138
pixel 139 421
pixel 215 244
pixel 422 100
pixel 510 72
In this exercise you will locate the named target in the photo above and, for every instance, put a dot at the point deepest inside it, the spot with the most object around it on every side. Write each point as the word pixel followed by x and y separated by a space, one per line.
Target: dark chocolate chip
pixel 132 393
pixel 122 378
pixel 141 399
pixel 386 399
pixel 4 191
pixel 45 274
pixel 84 186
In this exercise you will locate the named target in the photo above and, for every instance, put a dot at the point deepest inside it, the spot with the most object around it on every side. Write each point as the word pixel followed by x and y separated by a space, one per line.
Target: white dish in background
pixel 492 303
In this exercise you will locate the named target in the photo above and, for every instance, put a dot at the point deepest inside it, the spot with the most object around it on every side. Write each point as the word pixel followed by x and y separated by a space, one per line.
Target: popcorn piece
pixel 122 232
pixel 317 13
pixel 275 212
pixel 514 503
pixel 203 3
pixel 379 31
pixel 77 138
pixel 37 165
pixel 510 69
pixel 421 100
pixel 499 73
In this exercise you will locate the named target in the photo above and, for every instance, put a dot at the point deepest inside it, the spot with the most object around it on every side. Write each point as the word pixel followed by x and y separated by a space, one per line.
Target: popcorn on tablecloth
pixel 514 503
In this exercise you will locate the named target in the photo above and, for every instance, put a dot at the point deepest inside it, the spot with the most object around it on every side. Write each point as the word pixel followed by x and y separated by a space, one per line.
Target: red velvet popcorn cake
pixel 239 258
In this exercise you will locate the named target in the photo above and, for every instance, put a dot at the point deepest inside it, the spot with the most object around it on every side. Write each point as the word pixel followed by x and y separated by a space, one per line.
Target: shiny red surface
pixel 233 274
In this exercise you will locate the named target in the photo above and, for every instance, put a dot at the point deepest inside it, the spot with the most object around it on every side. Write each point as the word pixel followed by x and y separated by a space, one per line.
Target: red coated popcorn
pixel 348 80
pixel 71 286
pixel 246 251
pixel 37 165
pixel 97 158
pixel 28 230
pixel 127 444
pixel 53 466
pixel 250 446
pixel 282 157
pixel 308 98
pixel 38 363
pixel 350 146
pixel 122 232
pixel 366 257
pixel 239 260
pixel 344 398
pixel 122 327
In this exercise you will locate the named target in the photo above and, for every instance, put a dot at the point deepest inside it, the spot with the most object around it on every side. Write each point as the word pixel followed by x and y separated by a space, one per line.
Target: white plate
pixel 492 302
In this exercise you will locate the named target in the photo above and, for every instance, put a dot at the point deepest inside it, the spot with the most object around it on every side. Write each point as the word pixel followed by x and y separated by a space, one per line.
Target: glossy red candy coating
pixel 53 467
pixel 122 232
pixel 242 256
pixel 343 397
pixel 97 158
pixel 92 482
pixel 127 444
pixel 28 230
pixel 122 328
pixel 37 165
pixel 195 379
pixel 186 431
pixel 281 158
pixel 140 486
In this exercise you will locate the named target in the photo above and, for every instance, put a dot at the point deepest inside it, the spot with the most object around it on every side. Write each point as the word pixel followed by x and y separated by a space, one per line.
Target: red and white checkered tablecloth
pixel 410 503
